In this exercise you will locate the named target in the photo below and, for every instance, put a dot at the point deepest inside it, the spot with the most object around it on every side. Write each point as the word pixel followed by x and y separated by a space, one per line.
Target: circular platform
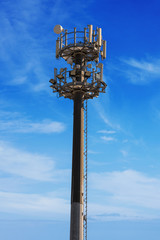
pixel 89 90
pixel 89 50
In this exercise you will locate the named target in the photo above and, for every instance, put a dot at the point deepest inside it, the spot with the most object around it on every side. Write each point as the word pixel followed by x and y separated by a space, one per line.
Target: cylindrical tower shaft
pixel 76 227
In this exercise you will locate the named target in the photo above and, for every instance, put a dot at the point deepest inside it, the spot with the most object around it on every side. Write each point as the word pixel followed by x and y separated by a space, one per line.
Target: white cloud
pixel 103 116
pixel 110 212
pixel 21 48
pixel 28 165
pixel 152 67
pixel 129 194
pixel 92 152
pixel 25 126
pixel 124 152
pixel 23 173
pixel 46 126
pixel 19 80
pixel 26 53
pixel 34 205
pixel 141 71
pixel 108 139
pixel 106 131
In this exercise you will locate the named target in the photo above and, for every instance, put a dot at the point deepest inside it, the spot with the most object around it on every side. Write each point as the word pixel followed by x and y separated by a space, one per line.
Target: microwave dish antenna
pixel 58 29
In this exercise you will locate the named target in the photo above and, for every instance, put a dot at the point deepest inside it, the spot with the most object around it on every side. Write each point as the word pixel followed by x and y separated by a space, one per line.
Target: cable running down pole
pixel 85 168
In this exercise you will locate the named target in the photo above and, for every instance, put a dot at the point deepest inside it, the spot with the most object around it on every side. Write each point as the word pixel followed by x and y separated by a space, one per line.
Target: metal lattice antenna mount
pixel 86 45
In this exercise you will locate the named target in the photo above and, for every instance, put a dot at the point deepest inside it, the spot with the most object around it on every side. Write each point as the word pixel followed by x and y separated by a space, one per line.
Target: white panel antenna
pixel 90 32
pixel 99 36
pixel 104 49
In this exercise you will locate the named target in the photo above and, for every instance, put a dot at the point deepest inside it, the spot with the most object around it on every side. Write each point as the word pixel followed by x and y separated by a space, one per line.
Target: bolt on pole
pixel 81 49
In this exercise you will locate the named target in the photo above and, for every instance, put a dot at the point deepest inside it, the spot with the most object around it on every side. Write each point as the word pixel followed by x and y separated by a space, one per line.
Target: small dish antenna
pixel 58 29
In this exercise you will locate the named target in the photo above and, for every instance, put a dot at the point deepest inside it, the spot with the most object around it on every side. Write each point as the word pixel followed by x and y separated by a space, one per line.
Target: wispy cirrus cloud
pixel 100 110
pixel 124 153
pixel 27 38
pixel 126 195
pixel 24 126
pixel 46 206
pixel 108 139
pixel 24 173
pixel 152 67
pixel 109 212
pixel 15 122
pixel 28 165
pixel 106 131
pixel 24 51
pixel 141 71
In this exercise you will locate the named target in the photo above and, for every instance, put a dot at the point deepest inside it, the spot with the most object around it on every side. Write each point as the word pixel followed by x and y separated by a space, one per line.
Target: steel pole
pixel 76 223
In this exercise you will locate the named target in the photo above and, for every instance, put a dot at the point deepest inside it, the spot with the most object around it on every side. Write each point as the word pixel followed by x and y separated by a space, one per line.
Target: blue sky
pixel 36 126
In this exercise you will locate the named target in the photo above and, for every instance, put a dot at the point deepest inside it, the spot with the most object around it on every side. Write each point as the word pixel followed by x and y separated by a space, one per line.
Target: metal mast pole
pixel 76 226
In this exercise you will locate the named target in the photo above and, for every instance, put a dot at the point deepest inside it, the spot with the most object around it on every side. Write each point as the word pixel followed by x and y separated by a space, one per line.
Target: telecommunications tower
pixel 84 80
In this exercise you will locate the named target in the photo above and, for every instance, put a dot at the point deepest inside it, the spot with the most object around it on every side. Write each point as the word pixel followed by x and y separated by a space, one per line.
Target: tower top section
pixel 88 42
pixel 83 51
